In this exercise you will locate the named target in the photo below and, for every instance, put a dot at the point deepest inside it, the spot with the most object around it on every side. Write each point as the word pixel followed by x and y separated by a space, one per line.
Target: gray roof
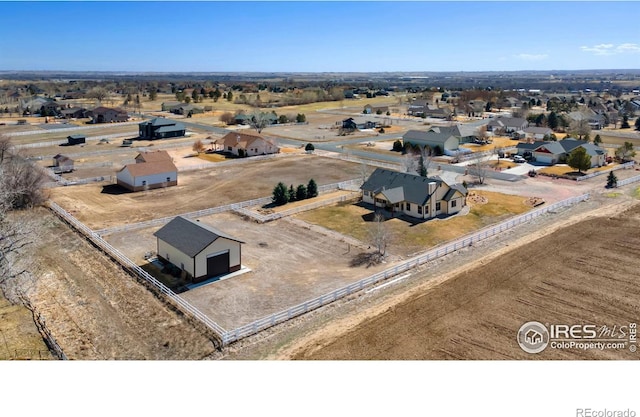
pixel 398 186
pixel 568 145
pixel 159 121
pixel 528 146
pixel 179 127
pixel 538 130
pixel 188 236
pixel 429 136
pixel 452 191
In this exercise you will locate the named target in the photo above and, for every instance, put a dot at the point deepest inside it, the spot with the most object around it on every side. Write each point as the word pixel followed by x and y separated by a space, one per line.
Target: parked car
pixel 518 159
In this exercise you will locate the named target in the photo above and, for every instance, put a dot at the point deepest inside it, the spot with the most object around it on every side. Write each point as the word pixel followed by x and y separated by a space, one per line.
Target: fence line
pixel 68 129
pixel 239 207
pixel 137 270
pixel 282 316
pixel 629 181
pixel 595 174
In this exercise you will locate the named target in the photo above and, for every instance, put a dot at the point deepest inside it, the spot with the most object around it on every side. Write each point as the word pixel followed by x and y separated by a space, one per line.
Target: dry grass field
pixel 409 237
pixel 19 337
pixel 582 274
pixel 101 205
pixel 95 310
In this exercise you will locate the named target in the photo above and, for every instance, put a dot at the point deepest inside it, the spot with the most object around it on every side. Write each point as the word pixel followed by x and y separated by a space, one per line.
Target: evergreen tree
pixel 625 122
pixel 292 193
pixel 280 194
pixel 301 192
pixel 312 189
pixel 579 159
pixel 597 140
pixel 612 180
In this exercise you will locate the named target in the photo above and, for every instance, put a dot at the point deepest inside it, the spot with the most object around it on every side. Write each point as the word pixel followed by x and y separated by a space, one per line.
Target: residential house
pixel 422 108
pixel 507 125
pixel 557 152
pixel 444 141
pixel 168 105
pixel 199 250
pixel 186 109
pixel 245 144
pixel 359 123
pixel 465 133
pixel 160 128
pixel 42 106
pixel 151 170
pixel 596 121
pixel 537 133
pixel 62 163
pixel 107 115
pixel 73 113
pixel 412 195
pixel 369 109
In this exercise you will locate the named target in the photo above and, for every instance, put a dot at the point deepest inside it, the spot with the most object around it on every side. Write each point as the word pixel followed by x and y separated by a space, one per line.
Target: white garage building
pixel 198 249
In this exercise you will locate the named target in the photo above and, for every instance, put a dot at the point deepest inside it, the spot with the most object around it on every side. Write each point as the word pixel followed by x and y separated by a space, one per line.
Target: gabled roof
pixel 538 130
pixel 62 158
pixel 528 146
pixel 398 186
pixel 158 121
pixel 190 237
pixel 103 109
pixel 242 139
pixel 150 168
pixel 455 188
pixel 429 136
pixel 155 156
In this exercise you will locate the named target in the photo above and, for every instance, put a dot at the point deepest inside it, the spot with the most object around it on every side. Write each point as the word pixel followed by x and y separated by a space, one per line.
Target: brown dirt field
pixel 577 274
pixel 95 310
pixel 199 190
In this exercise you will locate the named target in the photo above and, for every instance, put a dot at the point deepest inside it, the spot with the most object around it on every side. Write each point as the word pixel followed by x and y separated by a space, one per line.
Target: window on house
pixel 168 179
pixel 437 206
pixel 229 148
pixel 419 209
pixel 408 207
pixel 454 203
pixel 144 183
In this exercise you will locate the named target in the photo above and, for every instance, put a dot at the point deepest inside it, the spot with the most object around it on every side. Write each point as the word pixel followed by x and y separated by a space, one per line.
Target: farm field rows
pixel 578 274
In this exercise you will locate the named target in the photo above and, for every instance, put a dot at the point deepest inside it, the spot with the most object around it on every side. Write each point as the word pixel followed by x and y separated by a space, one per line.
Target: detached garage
pixel 198 249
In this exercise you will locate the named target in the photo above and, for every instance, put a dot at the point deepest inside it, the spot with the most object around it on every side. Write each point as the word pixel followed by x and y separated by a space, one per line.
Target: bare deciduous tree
pixel 380 235
pixel 5 147
pixel 410 162
pixel 479 168
pixel 98 93
pixel 259 120
pixel 198 146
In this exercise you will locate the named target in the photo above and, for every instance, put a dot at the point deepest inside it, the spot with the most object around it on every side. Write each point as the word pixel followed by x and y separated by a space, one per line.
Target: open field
pixel 562 169
pixel 497 142
pixel 95 310
pixel 101 205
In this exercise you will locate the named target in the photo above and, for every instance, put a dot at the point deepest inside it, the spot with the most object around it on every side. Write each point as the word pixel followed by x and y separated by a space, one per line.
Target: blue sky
pixel 328 36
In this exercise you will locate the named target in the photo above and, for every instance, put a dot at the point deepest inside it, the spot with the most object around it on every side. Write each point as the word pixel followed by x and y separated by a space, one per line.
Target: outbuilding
pixel 151 170
pixel 76 139
pixel 199 250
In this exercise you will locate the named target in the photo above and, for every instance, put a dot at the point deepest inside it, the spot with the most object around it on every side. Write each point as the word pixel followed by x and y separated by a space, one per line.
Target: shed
pixel 200 250
pixel 62 163
pixel 76 139
pixel 151 170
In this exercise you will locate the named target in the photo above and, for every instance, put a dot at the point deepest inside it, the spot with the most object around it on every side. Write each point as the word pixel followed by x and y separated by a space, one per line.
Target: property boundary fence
pixel 115 254
pixel 626 165
pixel 302 308
pixel 63 141
pixel 67 129
pixel 629 181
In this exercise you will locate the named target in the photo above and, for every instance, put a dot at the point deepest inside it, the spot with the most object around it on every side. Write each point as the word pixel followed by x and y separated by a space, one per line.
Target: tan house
pixel 151 170
pixel 245 144
pixel 107 115
pixel 412 195
pixel 199 250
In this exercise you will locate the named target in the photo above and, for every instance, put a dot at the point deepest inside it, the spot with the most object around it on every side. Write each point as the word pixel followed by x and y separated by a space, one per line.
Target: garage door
pixel 218 264
pixel 544 159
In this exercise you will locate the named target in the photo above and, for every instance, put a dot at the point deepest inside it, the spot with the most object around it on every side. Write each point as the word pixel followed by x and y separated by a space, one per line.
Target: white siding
pixel 156 178
pixel 125 176
pixel 219 245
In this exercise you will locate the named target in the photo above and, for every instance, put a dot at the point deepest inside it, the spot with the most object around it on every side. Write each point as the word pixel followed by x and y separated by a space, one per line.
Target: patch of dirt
pixel 534 201
pixel 475 198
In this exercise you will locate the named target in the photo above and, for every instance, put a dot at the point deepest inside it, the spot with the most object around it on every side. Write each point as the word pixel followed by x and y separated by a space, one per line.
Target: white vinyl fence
pixel 629 181
pixel 282 316
pixel 256 326
pixel 626 165
pixel 182 304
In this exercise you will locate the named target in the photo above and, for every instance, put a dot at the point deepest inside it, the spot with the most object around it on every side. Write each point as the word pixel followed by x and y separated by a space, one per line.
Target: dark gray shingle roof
pixel 188 236
pixel 397 185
